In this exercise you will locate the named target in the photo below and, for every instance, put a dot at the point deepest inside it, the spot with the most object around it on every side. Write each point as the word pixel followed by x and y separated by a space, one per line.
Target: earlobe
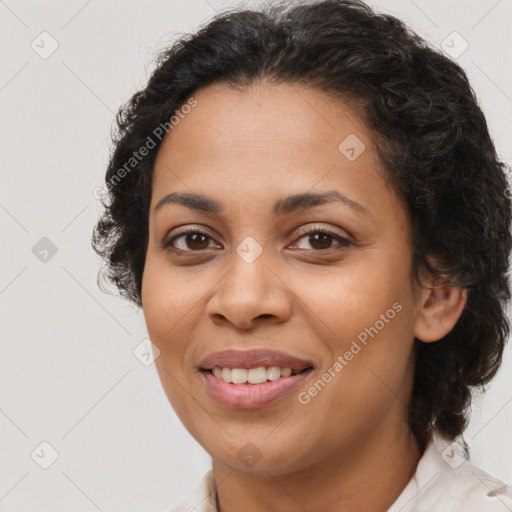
pixel 439 311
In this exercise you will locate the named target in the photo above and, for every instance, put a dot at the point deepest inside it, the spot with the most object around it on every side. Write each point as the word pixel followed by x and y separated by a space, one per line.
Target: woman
pixel 307 205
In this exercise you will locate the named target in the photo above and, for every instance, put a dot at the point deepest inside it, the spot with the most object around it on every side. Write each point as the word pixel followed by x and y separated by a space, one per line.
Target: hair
pixel 432 139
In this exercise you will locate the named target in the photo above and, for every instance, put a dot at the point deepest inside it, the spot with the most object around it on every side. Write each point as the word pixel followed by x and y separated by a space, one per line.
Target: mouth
pixel 252 378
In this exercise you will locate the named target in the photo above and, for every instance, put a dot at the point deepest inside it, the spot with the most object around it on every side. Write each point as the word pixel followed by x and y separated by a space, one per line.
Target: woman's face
pixel 325 282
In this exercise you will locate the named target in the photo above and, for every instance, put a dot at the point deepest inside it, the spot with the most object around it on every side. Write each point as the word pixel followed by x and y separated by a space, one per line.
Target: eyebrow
pixel 284 206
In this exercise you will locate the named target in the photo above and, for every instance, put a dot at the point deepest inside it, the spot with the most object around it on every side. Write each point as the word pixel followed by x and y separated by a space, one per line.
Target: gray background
pixel 67 368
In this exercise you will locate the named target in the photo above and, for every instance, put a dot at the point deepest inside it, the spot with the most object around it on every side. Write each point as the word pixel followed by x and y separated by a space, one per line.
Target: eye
pixel 320 239
pixel 193 240
pixel 190 240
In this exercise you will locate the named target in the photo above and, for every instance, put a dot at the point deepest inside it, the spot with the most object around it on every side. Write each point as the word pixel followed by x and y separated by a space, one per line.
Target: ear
pixel 439 308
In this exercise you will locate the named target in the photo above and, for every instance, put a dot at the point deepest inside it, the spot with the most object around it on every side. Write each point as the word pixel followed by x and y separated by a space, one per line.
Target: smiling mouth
pixel 253 376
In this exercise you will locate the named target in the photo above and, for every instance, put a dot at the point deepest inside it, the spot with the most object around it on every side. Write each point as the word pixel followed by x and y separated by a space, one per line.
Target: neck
pixel 369 475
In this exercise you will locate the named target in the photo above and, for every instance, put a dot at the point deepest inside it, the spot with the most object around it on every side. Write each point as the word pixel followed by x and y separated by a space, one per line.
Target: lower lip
pixel 251 396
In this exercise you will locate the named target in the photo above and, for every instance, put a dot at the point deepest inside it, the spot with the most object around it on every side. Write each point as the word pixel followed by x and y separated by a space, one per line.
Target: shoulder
pixel 470 489
pixel 445 481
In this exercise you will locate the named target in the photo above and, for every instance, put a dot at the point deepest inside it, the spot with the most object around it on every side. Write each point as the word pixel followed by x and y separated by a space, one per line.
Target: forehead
pixel 269 124
pixel 267 138
pixel 263 121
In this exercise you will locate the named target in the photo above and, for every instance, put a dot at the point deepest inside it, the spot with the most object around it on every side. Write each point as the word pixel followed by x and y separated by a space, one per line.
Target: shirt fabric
pixel 444 481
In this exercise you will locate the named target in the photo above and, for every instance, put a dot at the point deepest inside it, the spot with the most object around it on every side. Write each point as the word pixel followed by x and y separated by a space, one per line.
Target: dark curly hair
pixel 432 138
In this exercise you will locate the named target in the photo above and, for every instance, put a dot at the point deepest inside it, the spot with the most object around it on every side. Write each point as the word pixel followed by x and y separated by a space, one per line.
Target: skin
pixel 307 297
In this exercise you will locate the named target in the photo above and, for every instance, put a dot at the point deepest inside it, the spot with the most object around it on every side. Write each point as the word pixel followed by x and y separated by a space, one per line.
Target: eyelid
pixel 191 228
pixel 326 229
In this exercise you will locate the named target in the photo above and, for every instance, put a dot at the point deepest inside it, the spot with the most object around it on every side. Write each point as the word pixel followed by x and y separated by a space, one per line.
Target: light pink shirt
pixel 444 481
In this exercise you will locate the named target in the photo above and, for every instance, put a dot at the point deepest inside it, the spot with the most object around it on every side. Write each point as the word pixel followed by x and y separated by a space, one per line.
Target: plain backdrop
pixel 69 376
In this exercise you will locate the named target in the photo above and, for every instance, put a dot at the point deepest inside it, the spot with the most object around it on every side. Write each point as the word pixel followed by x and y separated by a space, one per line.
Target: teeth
pixel 253 376
pixel 257 375
pixel 239 376
pixel 286 372
pixel 273 373
pixel 226 374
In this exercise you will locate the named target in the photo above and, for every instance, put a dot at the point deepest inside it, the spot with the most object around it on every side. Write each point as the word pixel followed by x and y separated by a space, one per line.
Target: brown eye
pixel 321 239
pixel 190 241
pixel 196 241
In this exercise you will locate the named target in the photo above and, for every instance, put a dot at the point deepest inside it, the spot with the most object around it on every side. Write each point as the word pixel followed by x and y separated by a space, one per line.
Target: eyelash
pixel 343 242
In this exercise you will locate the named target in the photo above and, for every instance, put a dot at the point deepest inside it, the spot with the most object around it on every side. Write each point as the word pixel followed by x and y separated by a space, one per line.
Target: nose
pixel 249 293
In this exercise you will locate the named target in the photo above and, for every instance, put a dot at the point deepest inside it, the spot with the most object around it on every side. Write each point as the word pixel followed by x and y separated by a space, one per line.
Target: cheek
pixel 168 307
pixel 351 298
pixel 168 300
pixel 363 314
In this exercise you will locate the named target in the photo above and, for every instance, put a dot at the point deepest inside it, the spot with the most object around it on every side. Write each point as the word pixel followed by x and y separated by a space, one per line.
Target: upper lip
pixel 253 359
